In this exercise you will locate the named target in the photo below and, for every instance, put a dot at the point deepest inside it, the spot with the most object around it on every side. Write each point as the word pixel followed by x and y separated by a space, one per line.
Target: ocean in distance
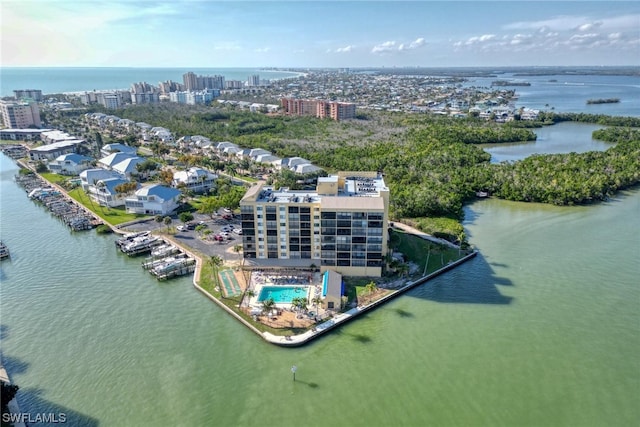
pixel 562 93
pixel 76 79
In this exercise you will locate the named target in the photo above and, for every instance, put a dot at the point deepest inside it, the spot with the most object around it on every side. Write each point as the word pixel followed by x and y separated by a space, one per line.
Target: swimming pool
pixel 282 294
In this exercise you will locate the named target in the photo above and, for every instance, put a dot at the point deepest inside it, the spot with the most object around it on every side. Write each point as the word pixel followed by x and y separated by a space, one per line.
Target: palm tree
pixel 267 305
pixel 215 262
pixel 371 287
pixel 302 304
pixel 317 300
pixel 237 249
pixel 231 168
pixel 167 221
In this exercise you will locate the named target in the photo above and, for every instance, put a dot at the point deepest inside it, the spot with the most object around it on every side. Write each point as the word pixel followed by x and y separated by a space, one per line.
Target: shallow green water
pixel 541 329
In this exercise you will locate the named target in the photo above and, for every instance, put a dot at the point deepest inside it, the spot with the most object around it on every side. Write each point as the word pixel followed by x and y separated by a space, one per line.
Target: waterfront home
pixel 51 151
pixel 104 192
pixel 108 149
pixel 90 177
pixel 153 200
pixel 69 164
pixel 195 179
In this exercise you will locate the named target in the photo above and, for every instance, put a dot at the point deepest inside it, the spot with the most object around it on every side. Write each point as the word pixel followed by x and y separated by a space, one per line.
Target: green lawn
pixel 54 177
pixel 113 216
pixel 417 250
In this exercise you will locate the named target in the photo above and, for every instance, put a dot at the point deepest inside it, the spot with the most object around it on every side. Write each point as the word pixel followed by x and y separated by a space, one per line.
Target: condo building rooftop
pixel 331 186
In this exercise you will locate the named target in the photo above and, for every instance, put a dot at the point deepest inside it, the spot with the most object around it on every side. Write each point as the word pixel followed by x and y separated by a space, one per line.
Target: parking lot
pixel 202 241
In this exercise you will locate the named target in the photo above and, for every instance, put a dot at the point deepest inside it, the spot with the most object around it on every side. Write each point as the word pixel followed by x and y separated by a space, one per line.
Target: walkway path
pixel 409 229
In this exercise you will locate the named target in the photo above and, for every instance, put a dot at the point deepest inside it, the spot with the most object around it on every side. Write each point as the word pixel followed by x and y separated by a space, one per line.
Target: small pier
pixel 168 261
pixel 58 204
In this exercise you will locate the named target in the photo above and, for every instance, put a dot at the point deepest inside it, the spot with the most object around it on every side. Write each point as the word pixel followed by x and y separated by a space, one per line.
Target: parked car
pixel 181 228
pixel 237 231
pixel 190 226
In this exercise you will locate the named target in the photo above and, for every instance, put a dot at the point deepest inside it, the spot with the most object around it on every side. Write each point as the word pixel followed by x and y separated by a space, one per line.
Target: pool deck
pixel 338 319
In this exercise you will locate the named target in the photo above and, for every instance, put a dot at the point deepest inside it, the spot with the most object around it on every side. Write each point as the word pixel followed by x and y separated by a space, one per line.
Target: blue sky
pixel 318 34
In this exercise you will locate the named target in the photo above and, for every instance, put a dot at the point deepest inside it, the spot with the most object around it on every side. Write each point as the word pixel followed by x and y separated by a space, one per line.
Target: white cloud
pixel 345 49
pixel 262 50
pixel 479 39
pixel 419 42
pixel 589 27
pixel 559 34
pixel 385 47
pixel 392 46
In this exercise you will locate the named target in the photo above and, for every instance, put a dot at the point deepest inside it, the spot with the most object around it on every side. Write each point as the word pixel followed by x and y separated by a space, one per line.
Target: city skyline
pixel 42 33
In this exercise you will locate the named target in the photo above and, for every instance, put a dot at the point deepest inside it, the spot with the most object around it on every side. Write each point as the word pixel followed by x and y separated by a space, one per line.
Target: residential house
pixel 195 179
pixel 89 177
pixel 155 199
pixel 104 192
pixel 128 167
pixel 113 159
pixel 69 164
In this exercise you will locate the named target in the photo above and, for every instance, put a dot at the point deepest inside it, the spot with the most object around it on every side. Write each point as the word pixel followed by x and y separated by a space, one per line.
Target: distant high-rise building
pixel 144 93
pixel 35 94
pixel 109 100
pixel 233 84
pixel 20 115
pixel 170 86
pixel 190 81
pixel 253 80
pixel 318 108
pixel 193 82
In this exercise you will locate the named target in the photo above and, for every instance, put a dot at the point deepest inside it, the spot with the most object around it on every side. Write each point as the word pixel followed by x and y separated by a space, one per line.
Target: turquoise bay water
pixel 541 329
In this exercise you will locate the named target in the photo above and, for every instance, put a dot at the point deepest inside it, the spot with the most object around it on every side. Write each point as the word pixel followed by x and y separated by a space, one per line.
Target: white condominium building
pixel 342 226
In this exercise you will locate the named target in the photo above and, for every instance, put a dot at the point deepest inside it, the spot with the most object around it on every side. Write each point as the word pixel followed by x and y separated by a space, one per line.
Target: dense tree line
pixel 431 163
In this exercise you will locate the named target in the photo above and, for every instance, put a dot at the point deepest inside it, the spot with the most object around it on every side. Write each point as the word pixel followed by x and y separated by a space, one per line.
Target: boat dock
pixel 138 243
pixel 166 260
pixel 14 151
pixel 57 202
